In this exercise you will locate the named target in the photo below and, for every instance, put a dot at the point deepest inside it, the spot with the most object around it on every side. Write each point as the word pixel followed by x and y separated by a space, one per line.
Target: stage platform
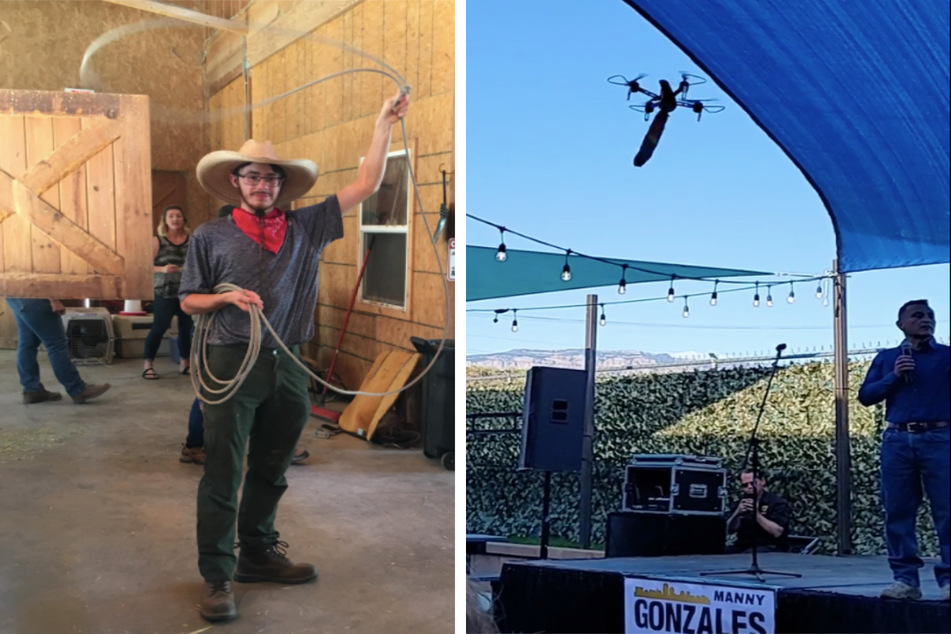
pixel 834 594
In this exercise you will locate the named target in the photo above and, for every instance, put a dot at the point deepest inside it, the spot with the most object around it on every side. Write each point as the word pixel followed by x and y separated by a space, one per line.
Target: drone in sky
pixel 663 104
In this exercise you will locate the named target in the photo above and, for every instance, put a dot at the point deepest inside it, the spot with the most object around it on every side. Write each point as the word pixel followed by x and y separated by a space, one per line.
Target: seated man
pixel 771 525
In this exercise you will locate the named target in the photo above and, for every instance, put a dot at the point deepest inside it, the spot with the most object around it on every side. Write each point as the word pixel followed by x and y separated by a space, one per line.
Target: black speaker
pixel 636 534
pixel 553 419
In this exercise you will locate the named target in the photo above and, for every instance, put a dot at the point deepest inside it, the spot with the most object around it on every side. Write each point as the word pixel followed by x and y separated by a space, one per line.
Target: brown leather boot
pixel 217 601
pixel 40 396
pixel 269 562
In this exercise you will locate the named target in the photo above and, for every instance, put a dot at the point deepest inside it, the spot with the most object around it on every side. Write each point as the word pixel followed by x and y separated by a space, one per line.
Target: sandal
pixel 149 374
pixel 187 370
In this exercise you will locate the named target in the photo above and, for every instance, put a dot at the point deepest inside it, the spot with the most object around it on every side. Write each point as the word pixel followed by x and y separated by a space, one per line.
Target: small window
pixel 384 230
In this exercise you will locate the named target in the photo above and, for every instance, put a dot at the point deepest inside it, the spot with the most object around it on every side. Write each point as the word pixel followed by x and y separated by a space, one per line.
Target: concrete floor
pixel 97 520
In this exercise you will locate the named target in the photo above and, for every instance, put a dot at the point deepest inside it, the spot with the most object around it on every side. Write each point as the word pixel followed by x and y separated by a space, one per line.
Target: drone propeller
pixel 699 106
pixel 633 85
pixel 647 108
pixel 686 83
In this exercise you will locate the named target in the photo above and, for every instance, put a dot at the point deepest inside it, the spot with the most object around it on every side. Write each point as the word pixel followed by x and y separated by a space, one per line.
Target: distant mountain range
pixel 522 359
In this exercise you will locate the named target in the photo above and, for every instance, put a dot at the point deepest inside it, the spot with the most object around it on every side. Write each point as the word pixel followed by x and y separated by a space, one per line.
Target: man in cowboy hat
pixel 271 255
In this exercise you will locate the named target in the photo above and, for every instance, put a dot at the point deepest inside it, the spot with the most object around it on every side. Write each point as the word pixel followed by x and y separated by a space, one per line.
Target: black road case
pixel 676 484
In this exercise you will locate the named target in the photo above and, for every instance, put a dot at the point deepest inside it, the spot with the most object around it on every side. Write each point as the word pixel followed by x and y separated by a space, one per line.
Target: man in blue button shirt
pixel 913 380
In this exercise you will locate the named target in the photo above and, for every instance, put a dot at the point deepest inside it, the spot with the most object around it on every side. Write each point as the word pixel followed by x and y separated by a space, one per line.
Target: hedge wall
pixel 704 412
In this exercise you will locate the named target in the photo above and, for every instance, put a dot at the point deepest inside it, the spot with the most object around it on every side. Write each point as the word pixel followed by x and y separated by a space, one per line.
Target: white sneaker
pixel 901 590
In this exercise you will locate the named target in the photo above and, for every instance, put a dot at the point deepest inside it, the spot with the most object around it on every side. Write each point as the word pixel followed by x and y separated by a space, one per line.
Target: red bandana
pixel 268 231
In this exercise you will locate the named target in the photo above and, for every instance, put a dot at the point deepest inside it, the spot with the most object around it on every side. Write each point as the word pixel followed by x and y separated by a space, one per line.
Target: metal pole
pixel 587 443
pixel 843 456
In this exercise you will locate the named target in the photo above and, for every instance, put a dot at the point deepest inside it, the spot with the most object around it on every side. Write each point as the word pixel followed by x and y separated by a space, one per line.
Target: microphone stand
pixel 752 458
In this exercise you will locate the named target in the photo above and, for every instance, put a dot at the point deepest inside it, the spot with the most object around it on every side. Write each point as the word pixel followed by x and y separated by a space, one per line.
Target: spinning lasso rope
pixel 203 321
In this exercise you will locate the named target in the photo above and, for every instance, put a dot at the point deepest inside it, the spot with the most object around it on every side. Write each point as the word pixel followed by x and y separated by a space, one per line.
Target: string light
pixel 769 296
pixel 514 320
pixel 622 285
pixel 713 296
pixel 500 255
pixel 603 319
pixel 670 291
pixel 566 270
pixel 819 290
pixel 756 297
pixel 792 294
pixel 686 312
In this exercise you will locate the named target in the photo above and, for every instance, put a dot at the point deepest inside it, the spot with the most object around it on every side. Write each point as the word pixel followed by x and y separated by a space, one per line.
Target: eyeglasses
pixel 254 179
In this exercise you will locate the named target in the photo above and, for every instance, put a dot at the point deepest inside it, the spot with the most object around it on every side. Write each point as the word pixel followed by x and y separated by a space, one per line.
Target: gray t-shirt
pixel 219 252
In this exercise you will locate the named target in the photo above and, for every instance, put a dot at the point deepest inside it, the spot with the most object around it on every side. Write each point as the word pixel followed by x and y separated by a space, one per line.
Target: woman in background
pixel 169 248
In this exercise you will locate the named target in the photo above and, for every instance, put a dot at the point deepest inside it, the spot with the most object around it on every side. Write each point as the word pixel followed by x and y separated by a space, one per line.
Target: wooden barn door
pixel 75 196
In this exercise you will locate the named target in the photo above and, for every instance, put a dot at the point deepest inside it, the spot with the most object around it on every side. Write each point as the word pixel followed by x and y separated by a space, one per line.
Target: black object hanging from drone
pixel 663 104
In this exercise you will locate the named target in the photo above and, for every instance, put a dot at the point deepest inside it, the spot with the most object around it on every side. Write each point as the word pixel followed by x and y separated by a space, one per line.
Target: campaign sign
pixel 657 605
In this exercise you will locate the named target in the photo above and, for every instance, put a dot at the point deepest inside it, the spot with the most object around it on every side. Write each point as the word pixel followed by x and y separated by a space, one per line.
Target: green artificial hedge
pixel 704 412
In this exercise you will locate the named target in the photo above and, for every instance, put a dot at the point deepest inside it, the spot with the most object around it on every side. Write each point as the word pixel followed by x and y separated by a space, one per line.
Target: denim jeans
pixel 36 324
pixel 196 426
pixel 163 309
pixel 264 419
pixel 912 464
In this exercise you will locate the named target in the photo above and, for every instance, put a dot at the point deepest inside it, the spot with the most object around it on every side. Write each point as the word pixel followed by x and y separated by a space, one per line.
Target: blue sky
pixel 549 145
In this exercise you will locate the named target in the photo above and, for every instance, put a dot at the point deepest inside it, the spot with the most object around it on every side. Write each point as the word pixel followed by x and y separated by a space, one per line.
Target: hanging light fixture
pixel 500 255
pixel 686 312
pixel 514 320
pixel 756 296
pixel 713 296
pixel 603 319
pixel 792 294
pixel 566 269
pixel 622 285
pixel 769 296
pixel 670 291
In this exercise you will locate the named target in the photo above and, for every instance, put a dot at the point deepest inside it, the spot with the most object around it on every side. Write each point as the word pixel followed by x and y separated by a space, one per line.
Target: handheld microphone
pixel 906 352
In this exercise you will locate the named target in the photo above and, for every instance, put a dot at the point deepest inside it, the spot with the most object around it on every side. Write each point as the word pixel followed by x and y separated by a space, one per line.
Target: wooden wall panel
pixel 39 144
pixel 16 231
pixel 72 194
pixel 331 123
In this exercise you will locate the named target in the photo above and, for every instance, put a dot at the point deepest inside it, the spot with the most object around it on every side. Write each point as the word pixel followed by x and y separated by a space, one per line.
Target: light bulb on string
pixel 769 296
pixel 500 255
pixel 713 296
pixel 686 312
pixel 819 290
pixel 603 319
pixel 514 320
pixel 792 294
pixel 566 270
pixel 622 285
pixel 756 296
pixel 670 291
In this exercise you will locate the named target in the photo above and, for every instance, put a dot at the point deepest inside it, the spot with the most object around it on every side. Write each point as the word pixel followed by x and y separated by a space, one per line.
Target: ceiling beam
pixel 195 17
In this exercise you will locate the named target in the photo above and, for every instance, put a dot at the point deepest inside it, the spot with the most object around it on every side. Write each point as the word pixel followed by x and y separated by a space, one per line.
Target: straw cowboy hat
pixel 215 169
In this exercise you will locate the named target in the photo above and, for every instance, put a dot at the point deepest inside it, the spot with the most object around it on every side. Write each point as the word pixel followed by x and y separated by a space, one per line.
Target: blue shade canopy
pixel 530 272
pixel 856 94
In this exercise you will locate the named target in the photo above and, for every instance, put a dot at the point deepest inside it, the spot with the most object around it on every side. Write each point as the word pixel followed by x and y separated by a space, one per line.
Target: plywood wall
pixel 43 46
pixel 332 123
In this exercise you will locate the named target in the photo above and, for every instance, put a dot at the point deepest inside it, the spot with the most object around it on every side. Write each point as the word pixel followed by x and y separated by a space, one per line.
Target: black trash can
pixel 438 407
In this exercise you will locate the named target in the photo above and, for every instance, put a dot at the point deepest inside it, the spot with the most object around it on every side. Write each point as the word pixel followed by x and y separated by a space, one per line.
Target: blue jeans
pixel 163 309
pixel 196 426
pixel 912 464
pixel 36 324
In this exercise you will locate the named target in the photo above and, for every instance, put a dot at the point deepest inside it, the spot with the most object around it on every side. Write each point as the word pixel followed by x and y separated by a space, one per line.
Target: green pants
pixel 265 418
